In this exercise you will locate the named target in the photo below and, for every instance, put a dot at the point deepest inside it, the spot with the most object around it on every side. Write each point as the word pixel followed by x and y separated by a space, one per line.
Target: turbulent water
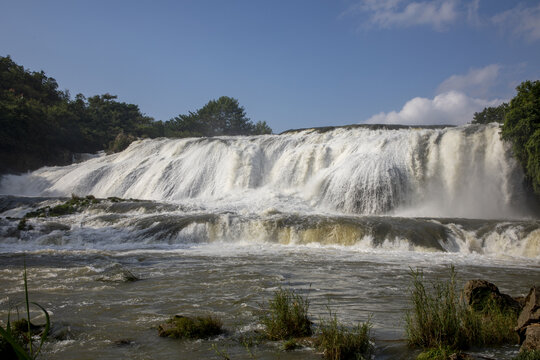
pixel 340 214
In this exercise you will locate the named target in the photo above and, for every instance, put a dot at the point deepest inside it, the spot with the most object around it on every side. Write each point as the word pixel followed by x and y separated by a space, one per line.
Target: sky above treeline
pixel 293 63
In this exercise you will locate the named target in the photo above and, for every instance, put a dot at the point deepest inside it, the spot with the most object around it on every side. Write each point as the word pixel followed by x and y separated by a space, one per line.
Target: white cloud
pixel 477 82
pixel 521 21
pixel 448 108
pixel 399 13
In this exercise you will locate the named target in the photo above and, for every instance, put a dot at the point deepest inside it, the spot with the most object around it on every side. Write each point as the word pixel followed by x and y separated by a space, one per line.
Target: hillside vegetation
pixel 42 125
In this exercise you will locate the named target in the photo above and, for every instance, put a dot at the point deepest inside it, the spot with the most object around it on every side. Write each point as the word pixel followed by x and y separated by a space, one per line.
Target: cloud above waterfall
pixel 477 82
pixel 457 99
pixel 448 108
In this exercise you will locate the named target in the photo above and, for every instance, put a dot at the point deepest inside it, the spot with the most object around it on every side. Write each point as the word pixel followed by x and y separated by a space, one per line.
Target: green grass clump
pixel 442 353
pixel 287 316
pixel 440 319
pixel 340 343
pixel 183 327
pixel 528 355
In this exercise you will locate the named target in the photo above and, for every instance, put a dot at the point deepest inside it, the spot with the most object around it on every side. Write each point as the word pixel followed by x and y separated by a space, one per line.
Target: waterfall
pixel 464 171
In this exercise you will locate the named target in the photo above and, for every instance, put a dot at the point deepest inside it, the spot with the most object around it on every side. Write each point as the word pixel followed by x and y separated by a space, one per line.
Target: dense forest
pixel 42 125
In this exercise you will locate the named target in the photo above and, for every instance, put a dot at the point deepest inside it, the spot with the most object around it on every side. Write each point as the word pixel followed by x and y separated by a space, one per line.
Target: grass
pixel 17 337
pixel 442 353
pixel 528 355
pixel 340 343
pixel 199 327
pixel 287 316
pixel 440 319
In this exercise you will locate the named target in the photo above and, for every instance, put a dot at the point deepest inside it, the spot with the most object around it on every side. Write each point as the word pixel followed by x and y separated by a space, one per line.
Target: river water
pixel 340 215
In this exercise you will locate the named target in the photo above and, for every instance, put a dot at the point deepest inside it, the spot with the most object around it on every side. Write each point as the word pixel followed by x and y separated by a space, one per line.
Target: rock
pixel 460 356
pixel 479 293
pixel 124 342
pixel 60 332
pixel 529 315
pixel 532 338
pixel 531 311
pixel 117 273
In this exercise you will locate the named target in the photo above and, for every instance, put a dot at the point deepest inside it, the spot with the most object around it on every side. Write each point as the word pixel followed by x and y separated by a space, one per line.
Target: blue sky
pixel 290 63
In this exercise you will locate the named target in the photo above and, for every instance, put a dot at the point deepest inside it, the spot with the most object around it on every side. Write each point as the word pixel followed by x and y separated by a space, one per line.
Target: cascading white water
pixel 452 172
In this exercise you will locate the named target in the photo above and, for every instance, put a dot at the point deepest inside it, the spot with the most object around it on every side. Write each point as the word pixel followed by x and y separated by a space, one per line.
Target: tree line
pixel 42 125
pixel 520 121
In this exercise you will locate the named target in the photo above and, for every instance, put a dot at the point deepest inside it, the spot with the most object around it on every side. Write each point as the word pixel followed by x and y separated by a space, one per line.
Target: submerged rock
pixel 117 273
pixel 481 293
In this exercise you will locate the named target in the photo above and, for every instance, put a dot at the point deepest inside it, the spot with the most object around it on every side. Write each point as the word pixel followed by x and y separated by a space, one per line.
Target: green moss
pixel 338 342
pixel 528 355
pixel 183 327
pixel 287 316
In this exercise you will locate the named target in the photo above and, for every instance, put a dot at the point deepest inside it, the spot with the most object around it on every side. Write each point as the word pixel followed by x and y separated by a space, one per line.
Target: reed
pixel 338 342
pixel 287 316
pixel 18 337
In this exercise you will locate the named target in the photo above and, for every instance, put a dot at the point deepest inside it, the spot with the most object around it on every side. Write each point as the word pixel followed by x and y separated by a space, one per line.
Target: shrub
pixel 339 343
pixel 528 355
pixel 440 319
pixel 183 327
pixel 287 316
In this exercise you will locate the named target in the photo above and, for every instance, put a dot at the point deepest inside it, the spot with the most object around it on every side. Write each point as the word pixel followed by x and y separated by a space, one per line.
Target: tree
pixel 223 116
pixel 491 114
pixel 522 129
pixel 261 128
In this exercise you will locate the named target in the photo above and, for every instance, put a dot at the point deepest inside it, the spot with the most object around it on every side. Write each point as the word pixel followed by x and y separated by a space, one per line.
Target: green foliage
pixel 183 327
pixel 287 316
pixel 440 353
pixel 290 344
pixel 522 129
pixel 528 355
pixel 19 335
pixel 339 343
pixel 491 114
pixel 440 319
pixel 223 116
pixel 40 125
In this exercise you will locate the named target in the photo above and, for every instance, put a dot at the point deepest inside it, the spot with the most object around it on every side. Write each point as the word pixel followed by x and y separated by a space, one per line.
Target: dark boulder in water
pixel 481 294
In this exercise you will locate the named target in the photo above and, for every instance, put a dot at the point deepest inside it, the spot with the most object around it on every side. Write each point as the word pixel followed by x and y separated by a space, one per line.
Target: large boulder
pixel 532 338
pixel 528 324
pixel 481 293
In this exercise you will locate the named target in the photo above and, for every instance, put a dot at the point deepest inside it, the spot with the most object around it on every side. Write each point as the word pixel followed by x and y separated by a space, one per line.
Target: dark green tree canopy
pixel 223 116
pixel 522 129
pixel 491 114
